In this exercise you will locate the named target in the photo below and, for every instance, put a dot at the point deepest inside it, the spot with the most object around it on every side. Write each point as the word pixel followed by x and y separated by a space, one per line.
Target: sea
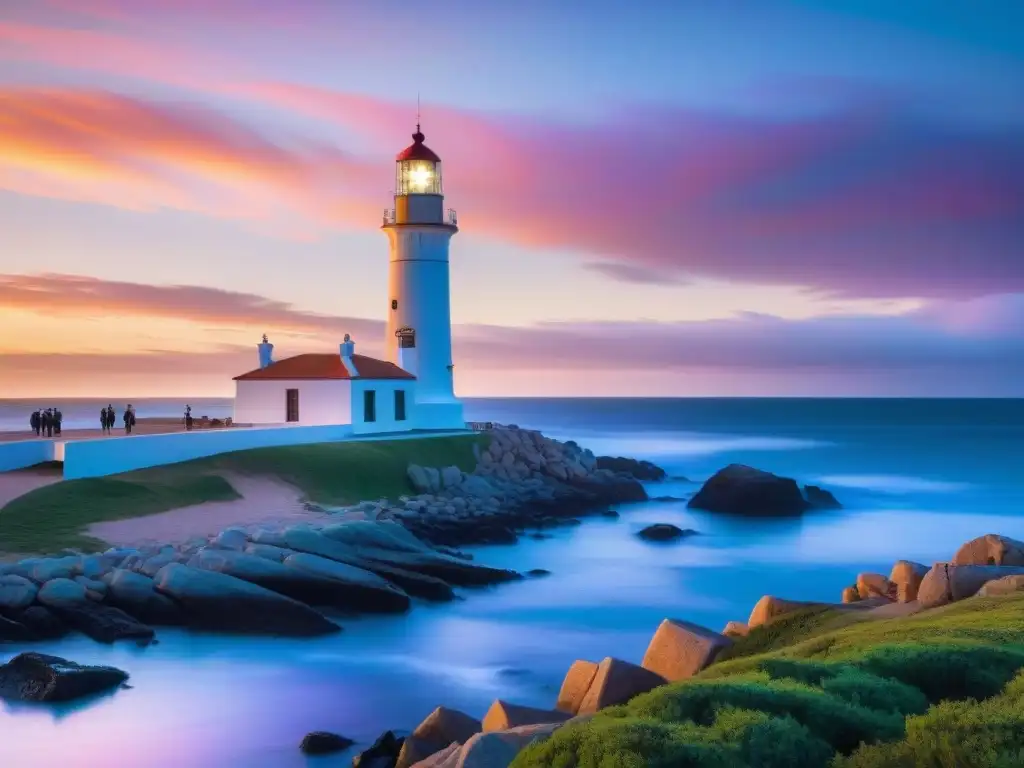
pixel 916 479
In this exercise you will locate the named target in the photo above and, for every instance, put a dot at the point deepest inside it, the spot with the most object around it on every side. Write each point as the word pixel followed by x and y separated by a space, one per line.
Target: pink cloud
pixel 870 199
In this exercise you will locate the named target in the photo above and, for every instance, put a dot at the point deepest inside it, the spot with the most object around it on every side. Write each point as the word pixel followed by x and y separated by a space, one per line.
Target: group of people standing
pixel 108 418
pixel 46 423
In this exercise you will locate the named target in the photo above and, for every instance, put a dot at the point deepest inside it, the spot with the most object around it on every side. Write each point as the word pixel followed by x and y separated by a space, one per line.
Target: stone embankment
pixel 298 581
pixel 988 566
pixel 522 480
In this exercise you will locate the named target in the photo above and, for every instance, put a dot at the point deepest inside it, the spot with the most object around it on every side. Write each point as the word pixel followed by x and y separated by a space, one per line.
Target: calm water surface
pixel 917 478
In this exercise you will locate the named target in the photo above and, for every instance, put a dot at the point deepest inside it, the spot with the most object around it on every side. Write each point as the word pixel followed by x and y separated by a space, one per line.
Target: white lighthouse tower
pixel 419 331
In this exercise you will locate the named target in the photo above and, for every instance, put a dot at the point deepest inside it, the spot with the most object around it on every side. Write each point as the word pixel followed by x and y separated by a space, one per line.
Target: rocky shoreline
pixel 304 579
pixel 989 566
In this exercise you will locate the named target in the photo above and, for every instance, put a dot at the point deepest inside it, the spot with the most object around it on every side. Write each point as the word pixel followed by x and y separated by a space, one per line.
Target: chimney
pixel 266 350
pixel 348 348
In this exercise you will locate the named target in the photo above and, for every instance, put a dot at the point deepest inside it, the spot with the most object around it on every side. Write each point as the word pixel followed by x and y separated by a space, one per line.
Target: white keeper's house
pixel 414 387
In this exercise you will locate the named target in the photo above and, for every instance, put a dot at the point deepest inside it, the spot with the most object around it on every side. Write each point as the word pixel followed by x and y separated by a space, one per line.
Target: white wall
pixel 111 455
pixel 385 389
pixel 25 453
pixel 321 402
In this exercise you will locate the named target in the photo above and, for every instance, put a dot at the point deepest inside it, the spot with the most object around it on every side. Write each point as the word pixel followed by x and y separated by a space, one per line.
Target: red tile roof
pixel 319 366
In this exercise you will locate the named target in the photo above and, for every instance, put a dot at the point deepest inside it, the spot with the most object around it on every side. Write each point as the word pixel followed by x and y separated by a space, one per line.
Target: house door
pixel 291 405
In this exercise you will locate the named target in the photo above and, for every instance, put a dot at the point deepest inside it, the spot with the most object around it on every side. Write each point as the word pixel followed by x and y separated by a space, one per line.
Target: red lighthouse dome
pixel 418 170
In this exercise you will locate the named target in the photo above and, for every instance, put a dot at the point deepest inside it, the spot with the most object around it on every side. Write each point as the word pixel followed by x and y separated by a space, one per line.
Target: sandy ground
pixel 264 500
pixel 21 481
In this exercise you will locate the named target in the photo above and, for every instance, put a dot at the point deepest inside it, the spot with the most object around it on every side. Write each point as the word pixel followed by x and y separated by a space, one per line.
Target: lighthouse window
pixel 399 405
pixel 394 303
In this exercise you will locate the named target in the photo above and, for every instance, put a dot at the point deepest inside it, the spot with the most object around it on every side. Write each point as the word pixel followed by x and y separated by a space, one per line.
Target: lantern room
pixel 418 170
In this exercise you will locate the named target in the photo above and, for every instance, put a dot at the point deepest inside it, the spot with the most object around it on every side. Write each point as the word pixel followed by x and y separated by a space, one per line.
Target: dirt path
pixel 265 500
pixel 21 481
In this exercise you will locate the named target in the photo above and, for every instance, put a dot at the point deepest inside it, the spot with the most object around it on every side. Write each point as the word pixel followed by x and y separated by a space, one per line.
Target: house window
pixel 291 400
pixel 399 405
pixel 369 405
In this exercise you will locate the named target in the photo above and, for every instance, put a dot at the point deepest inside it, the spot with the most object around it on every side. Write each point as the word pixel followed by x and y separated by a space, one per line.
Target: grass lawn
pixel 53 517
pixel 943 689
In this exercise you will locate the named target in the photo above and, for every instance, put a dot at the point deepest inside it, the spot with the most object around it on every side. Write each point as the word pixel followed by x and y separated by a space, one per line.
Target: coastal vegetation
pixel 828 688
pixel 54 517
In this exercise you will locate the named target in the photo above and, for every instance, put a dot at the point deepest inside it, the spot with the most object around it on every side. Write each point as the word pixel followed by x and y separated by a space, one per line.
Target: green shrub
pixel 629 743
pixel 956 734
pixel 842 724
pixel 867 690
pixel 735 738
pixel 946 671
pixel 785 630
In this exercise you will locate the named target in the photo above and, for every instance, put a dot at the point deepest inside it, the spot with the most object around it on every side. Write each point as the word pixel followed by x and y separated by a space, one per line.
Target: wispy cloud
pixel 936 337
pixel 870 200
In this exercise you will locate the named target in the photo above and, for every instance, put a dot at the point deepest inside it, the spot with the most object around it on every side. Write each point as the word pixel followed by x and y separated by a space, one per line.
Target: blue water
pixel 917 479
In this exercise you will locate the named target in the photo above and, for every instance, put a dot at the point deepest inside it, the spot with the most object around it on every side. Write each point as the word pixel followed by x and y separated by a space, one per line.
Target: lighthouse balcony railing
pixel 450 217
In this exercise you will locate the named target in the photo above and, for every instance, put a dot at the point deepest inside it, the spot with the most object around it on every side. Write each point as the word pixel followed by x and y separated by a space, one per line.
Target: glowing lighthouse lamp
pixel 419 335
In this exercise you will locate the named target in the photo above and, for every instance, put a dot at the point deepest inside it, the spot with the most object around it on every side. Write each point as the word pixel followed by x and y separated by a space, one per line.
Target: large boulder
pixel 743 490
pixel 441 728
pixel 497 749
pixel 38 677
pixel 103 623
pixel 61 592
pixel 638 469
pixel 43 623
pixel 680 649
pixel 48 568
pixel 12 631
pixel 906 576
pixel 382 534
pixel 616 682
pixel 135 594
pixel 323 743
pixel 450 569
pixel 768 608
pixel 383 753
pixel 1007 585
pixel 664 532
pixel 946 583
pixel 990 549
pixel 445 758
pixel 574 688
pixel 418 478
pixel 735 629
pixel 216 601
pixel 16 592
pixel 819 498
pixel 502 715
pixel 873 585
pixel 308 579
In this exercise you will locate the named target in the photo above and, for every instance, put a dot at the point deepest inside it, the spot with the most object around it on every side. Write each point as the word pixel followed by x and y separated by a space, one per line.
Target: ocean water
pixel 917 478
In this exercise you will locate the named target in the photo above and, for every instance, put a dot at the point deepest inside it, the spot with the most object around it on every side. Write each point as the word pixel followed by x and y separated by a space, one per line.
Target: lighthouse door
pixel 291 405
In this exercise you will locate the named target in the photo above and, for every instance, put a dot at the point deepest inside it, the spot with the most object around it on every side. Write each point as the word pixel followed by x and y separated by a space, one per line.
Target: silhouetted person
pixel 58 418
pixel 129 419
pixel 111 417
pixel 188 418
pixel 44 424
pixel 33 422
pixel 103 420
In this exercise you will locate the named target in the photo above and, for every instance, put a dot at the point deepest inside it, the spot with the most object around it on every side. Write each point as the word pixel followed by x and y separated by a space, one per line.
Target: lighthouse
pixel 419 333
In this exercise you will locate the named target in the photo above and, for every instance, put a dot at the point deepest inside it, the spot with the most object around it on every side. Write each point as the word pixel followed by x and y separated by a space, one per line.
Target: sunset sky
pixel 655 198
